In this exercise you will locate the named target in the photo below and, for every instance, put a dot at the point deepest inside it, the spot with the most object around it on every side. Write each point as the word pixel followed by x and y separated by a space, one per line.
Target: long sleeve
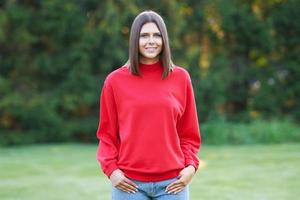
pixel 107 132
pixel 148 126
pixel 188 128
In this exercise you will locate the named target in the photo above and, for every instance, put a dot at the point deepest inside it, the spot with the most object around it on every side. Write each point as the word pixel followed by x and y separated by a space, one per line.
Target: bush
pixel 221 132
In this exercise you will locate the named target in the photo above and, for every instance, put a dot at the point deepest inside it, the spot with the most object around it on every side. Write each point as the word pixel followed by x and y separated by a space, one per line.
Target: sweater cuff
pixel 192 163
pixel 110 169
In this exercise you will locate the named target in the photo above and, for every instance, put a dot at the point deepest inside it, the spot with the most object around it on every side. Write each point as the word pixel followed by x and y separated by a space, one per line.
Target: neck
pixel 149 61
pixel 156 66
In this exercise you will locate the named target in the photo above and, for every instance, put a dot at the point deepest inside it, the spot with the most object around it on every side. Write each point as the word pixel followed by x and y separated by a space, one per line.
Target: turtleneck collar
pixel 158 66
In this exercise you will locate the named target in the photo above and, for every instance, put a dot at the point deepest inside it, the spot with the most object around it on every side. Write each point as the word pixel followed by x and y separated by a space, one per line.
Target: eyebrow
pixel 150 33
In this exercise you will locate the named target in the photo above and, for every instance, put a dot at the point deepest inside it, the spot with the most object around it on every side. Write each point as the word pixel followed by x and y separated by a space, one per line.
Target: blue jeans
pixel 151 191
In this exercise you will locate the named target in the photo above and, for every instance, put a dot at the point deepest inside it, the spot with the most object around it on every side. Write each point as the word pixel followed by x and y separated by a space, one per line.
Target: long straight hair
pixel 134 57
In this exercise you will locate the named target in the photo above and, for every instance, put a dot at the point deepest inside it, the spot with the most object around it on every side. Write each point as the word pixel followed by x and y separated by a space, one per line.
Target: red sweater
pixel 148 127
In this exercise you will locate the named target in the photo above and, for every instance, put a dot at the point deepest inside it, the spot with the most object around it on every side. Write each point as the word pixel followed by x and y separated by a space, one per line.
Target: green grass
pixel 70 171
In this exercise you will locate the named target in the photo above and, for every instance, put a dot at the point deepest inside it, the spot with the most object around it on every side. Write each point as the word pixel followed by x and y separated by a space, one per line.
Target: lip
pixel 151 49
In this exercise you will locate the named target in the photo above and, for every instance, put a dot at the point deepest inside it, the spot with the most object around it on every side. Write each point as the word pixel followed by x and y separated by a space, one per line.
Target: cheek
pixel 142 42
pixel 160 43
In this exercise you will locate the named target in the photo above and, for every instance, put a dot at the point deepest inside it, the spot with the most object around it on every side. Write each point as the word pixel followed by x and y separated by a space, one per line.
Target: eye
pixel 157 35
pixel 143 35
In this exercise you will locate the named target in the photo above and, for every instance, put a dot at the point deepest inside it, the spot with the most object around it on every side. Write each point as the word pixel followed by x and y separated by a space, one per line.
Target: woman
pixel 148 130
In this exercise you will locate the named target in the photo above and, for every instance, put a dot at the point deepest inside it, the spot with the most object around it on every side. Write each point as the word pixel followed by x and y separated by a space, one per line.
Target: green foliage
pixel 221 132
pixel 54 56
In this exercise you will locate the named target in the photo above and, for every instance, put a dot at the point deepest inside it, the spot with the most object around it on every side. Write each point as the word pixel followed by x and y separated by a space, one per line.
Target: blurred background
pixel 243 56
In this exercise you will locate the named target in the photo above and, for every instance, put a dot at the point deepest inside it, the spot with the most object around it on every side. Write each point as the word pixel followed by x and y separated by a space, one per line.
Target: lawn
pixel 70 171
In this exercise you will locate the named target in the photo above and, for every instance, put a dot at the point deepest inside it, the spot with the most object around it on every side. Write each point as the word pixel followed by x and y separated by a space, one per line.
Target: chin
pixel 151 56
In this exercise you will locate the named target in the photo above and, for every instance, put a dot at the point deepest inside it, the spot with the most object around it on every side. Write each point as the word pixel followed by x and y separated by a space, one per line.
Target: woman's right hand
pixel 119 181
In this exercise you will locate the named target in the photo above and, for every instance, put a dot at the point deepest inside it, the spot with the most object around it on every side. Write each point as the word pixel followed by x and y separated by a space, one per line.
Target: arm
pixel 190 140
pixel 107 132
pixel 108 148
pixel 188 128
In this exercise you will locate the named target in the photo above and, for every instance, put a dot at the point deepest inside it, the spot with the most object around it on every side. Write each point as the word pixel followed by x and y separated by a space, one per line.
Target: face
pixel 150 43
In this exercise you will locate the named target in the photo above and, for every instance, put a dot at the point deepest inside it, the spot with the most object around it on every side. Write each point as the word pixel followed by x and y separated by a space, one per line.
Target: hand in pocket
pixel 119 181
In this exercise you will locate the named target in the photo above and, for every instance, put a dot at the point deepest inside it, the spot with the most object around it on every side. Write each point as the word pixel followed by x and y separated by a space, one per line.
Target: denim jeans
pixel 151 191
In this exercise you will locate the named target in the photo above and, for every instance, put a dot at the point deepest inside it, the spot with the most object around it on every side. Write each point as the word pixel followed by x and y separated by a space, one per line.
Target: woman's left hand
pixel 186 176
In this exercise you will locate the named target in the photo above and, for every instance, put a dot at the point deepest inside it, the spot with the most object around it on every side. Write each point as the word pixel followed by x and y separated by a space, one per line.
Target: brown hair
pixel 165 55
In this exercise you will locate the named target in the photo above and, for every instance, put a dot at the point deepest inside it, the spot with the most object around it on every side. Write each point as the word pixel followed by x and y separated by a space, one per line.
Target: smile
pixel 151 49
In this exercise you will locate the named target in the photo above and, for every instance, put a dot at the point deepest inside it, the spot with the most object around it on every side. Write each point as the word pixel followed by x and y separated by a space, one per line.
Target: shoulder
pixel 117 74
pixel 181 72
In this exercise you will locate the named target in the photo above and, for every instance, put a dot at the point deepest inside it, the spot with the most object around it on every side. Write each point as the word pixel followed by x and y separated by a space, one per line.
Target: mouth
pixel 151 49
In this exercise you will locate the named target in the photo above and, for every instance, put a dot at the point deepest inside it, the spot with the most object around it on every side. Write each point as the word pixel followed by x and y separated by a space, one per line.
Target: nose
pixel 151 39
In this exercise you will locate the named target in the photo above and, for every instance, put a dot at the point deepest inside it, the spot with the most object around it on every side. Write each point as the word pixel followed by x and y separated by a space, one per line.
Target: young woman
pixel 148 129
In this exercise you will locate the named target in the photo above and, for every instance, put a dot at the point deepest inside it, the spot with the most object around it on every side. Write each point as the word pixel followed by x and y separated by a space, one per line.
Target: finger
pixel 125 189
pixel 122 188
pixel 128 190
pixel 174 187
pixel 131 183
pixel 175 190
pixel 128 186
pixel 174 184
pixel 178 190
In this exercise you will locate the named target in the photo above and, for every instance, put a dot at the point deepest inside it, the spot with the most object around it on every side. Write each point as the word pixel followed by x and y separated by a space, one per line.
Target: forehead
pixel 149 27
